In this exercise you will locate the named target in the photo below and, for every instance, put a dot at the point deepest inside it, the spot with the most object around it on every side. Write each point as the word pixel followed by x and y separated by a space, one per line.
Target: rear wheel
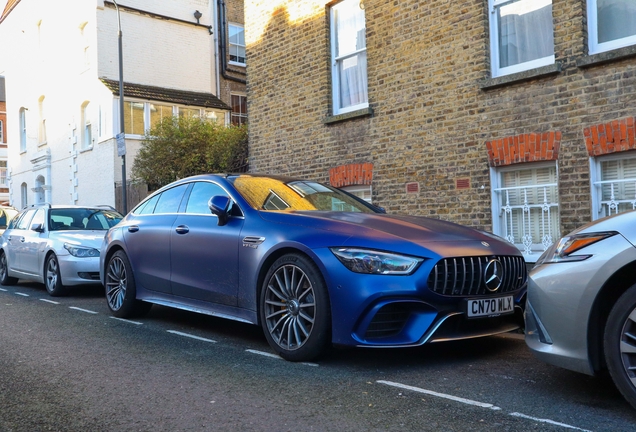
pixel 294 308
pixel 52 277
pixel 620 344
pixel 5 279
pixel 121 290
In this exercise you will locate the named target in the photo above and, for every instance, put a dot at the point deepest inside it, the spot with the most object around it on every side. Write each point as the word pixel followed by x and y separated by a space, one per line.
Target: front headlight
pixel 81 251
pixel 376 262
pixel 564 250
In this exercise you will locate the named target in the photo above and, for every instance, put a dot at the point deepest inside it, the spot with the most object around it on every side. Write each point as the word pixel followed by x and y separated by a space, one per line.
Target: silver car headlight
pixel 81 251
pixel 564 250
pixel 375 262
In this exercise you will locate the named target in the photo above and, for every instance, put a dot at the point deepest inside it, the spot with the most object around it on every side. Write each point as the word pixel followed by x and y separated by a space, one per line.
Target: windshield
pixel 82 219
pixel 264 193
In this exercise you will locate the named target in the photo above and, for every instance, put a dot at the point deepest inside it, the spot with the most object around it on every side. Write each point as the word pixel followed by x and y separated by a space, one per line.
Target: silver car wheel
pixel 628 346
pixel 3 266
pixel 52 272
pixel 116 282
pixel 290 309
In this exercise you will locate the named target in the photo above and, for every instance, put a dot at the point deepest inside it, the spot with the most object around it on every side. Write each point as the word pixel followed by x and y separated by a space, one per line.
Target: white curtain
pixel 525 31
pixel 616 19
pixel 352 69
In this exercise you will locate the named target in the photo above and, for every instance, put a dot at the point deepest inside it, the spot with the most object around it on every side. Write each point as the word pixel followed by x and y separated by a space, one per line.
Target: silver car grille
pixel 465 276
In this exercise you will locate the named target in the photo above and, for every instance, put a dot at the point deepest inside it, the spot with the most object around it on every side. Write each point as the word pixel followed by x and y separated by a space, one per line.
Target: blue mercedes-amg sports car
pixel 311 264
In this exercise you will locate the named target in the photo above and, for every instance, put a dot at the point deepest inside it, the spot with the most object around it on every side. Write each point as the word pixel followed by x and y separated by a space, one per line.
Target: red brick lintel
pixel 611 137
pixel 350 175
pixel 530 147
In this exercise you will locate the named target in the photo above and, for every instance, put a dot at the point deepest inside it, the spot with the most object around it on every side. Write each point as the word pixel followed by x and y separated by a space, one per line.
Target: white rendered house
pixel 61 67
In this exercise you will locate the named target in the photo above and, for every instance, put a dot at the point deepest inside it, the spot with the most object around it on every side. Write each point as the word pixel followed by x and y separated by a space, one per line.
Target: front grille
pixel 388 321
pixel 464 276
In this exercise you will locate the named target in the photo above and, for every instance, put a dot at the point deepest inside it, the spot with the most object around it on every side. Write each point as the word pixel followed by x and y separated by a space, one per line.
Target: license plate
pixel 490 307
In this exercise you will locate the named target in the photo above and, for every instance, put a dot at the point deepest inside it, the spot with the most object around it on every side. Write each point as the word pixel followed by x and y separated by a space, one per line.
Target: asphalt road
pixel 67 365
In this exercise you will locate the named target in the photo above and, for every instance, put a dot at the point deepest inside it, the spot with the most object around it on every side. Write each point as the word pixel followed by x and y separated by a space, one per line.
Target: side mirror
pixel 38 227
pixel 220 206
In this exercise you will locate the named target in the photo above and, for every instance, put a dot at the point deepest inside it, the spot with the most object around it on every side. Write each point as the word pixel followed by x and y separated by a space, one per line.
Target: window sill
pixel 86 149
pixel 606 57
pixel 365 112
pixel 519 77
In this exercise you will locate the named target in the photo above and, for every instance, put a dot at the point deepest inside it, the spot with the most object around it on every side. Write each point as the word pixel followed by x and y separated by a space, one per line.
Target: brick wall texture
pixel 432 123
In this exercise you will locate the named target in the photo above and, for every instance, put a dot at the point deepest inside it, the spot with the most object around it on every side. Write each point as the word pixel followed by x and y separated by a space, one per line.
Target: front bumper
pixel 79 271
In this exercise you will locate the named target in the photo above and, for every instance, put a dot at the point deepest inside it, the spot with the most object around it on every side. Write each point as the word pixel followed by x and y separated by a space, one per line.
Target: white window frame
pixel 240 45
pixel 4 171
pixel 87 127
pixel 236 114
pixel 364 192
pixel 203 112
pixel 1 131
pixel 496 71
pixel 337 60
pixel 23 129
pixel 592 28
pixel 531 251
pixel 24 195
pixel 42 122
pixel 598 209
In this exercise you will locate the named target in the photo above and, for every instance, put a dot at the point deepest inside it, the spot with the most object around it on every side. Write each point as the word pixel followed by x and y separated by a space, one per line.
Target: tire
pixel 620 344
pixel 295 313
pixel 52 277
pixel 5 279
pixel 121 290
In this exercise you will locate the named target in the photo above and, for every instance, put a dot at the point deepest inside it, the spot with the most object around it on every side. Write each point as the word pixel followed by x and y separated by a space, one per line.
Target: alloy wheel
pixel 116 282
pixel 628 347
pixel 52 274
pixel 290 309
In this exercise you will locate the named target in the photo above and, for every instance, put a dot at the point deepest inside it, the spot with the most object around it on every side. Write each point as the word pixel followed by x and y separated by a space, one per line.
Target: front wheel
pixel 620 344
pixel 121 290
pixel 294 309
pixel 52 277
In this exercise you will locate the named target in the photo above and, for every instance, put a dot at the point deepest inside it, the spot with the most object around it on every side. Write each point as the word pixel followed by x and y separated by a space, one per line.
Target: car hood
pixel 92 238
pixel 420 230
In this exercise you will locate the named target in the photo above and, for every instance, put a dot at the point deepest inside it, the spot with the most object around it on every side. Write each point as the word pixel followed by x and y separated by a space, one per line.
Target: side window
pixel 170 200
pixel 611 24
pixel 147 207
pixel 200 195
pixel 25 220
pixel 38 218
pixel 526 207
pixel 521 35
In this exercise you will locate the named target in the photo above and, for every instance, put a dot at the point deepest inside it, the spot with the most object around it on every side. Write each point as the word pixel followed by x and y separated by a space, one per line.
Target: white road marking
pixel 22 294
pixel 83 310
pixel 49 301
pixel 2 289
pixel 266 354
pixel 191 336
pixel 441 395
pixel 552 422
pixel 127 321
pixel 479 404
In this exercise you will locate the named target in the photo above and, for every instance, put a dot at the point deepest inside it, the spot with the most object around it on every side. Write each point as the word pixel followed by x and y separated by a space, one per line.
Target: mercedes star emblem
pixel 493 275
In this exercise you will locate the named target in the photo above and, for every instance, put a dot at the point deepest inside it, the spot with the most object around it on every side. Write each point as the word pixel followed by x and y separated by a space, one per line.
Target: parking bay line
pixel 127 321
pixel 190 336
pixel 476 403
pixel 2 289
pixel 49 301
pixel 22 294
pixel 83 310
pixel 270 355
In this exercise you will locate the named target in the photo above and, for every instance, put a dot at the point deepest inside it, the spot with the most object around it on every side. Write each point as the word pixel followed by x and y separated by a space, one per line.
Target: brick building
pixel 512 116
pixel 62 87
pixel 4 187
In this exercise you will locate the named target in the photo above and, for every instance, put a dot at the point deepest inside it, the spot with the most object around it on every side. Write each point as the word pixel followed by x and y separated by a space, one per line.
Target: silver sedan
pixel 55 245
pixel 581 307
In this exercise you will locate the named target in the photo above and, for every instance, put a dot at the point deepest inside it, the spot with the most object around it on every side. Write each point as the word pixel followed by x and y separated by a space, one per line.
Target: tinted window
pixel 82 219
pixel 200 195
pixel 265 193
pixel 170 200
pixel 147 207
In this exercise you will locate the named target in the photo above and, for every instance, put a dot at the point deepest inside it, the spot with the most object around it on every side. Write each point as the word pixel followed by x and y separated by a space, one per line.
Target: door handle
pixel 133 228
pixel 182 229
